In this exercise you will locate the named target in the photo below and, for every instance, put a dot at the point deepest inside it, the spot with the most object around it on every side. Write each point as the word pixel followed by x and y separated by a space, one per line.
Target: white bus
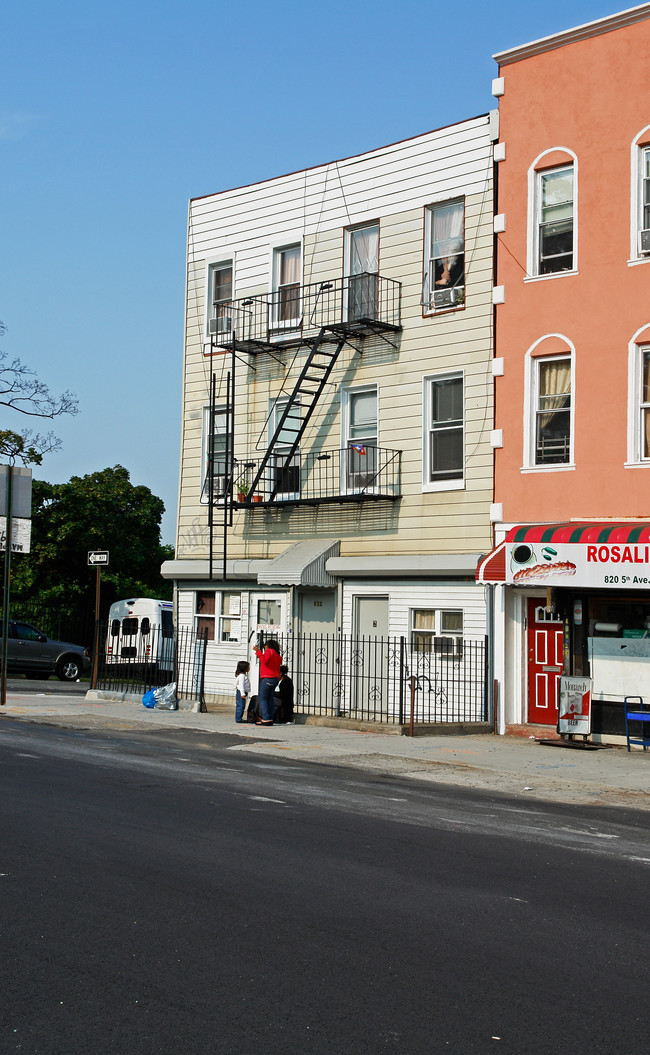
pixel 141 631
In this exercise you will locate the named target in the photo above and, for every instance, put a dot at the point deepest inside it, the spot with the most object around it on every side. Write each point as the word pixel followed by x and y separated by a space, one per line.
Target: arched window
pixel 548 439
pixel 552 213
pixel 640 196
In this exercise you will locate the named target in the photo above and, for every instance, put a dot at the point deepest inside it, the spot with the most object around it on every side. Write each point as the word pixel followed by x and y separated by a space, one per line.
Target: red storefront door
pixel 544 662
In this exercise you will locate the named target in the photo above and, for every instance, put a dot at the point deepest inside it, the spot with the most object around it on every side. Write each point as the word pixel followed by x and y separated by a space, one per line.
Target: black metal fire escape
pixel 307 391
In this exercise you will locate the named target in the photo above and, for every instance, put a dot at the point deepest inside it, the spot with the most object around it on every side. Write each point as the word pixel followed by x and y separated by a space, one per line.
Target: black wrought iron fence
pixel 385 679
pixel 137 662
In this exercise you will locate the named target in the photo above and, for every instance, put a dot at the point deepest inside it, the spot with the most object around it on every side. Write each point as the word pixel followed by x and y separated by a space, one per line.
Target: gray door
pixel 369 657
pixel 371 616
pixel 316 666
pixel 317 612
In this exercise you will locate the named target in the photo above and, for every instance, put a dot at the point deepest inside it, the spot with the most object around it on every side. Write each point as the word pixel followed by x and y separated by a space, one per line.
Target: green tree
pixel 102 510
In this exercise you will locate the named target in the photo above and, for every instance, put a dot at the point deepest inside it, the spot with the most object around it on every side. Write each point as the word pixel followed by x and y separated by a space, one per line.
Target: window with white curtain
pixel 437 630
pixel 444 272
pixel 553 411
pixel 362 271
pixel 287 272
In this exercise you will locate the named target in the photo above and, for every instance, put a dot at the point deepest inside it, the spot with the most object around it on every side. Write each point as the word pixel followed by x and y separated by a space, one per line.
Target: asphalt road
pixel 165 896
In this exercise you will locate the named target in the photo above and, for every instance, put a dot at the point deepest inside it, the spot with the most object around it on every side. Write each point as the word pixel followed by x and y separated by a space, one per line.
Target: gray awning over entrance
pixel 302 564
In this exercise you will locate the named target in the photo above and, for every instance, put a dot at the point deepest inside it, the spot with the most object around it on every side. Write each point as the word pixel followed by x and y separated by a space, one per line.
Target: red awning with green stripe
pixel 622 533
pixel 492 568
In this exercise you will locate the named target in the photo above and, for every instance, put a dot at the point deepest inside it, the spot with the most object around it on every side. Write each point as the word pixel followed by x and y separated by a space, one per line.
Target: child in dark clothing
pixel 284 697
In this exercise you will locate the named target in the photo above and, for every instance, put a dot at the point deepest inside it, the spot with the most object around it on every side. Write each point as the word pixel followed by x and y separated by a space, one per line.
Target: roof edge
pixel 571 36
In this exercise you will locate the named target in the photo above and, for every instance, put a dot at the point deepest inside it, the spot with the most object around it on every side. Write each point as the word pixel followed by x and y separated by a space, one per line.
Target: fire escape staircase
pixel 290 427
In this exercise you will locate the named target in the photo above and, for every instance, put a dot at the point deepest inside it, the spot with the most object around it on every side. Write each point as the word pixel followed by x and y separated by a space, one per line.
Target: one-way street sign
pixel 98 556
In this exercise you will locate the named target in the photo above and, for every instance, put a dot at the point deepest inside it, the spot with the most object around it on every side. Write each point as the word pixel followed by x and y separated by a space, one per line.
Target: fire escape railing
pixel 352 474
pixel 356 304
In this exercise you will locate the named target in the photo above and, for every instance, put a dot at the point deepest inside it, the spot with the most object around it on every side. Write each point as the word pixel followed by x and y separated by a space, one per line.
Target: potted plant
pixel 243 487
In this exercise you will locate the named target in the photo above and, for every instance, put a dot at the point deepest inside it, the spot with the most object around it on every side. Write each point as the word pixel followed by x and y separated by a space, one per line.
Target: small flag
pixel 358 447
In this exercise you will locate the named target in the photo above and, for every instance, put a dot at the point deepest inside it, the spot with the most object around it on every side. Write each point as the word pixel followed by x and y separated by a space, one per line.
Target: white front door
pixel 267 617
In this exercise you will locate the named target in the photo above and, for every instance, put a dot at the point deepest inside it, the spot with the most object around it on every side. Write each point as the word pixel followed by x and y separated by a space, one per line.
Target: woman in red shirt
pixel 270 662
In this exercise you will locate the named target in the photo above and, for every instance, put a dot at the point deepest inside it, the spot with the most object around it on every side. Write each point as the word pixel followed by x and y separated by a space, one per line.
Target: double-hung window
pixel 554 220
pixel 553 411
pixel 285 475
pixel 444 278
pixel 220 298
pixel 644 430
pixel 437 631
pixel 360 439
pixel 644 218
pixel 444 453
pixel 287 268
pixel 216 454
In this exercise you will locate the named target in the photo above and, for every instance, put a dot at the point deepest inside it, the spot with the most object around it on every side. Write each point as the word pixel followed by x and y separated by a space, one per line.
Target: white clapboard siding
pixel 250 220
pixel 392 185
pixel 405 597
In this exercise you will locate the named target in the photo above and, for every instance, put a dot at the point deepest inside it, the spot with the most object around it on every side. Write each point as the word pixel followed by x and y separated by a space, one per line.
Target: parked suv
pixel 31 652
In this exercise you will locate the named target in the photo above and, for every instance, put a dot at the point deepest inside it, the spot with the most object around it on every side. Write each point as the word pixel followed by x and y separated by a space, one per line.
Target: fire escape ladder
pixel 290 427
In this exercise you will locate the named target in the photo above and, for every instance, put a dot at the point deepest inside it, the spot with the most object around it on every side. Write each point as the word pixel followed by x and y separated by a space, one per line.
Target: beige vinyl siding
pixel 392 186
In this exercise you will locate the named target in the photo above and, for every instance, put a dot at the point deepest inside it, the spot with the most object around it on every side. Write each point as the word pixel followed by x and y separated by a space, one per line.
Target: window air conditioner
pixel 221 325
pixel 448 298
pixel 645 241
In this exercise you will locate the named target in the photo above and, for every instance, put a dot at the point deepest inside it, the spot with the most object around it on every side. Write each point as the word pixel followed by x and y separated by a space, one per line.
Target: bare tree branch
pixel 22 390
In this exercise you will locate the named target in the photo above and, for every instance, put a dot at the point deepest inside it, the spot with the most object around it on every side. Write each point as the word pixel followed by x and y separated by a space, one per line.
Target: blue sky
pixel 113 116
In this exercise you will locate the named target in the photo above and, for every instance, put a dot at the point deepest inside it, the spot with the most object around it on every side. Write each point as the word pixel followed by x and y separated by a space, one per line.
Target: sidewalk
pixel 510 765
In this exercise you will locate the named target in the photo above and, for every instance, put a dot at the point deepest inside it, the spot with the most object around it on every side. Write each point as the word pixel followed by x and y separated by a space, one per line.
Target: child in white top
pixel 242 689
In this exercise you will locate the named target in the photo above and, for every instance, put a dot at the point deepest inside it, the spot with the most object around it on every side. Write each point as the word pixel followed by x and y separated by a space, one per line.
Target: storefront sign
pixel 575 705
pixel 581 564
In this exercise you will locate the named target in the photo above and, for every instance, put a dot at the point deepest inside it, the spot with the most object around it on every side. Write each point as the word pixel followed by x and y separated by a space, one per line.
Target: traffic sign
pixel 98 556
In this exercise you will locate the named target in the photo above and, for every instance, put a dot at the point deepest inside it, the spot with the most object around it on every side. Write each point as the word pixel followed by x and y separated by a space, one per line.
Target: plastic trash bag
pixel 165 698
pixel 149 699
